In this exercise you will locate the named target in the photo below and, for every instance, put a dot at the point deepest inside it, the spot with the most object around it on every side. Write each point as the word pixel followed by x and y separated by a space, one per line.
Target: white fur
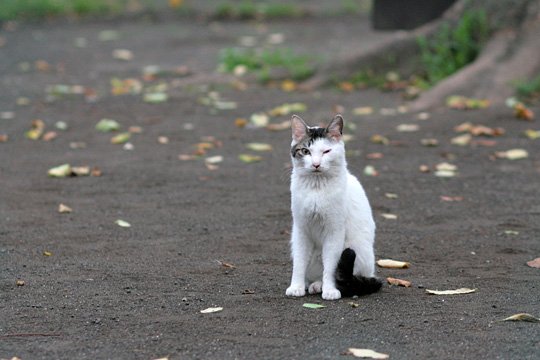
pixel 330 213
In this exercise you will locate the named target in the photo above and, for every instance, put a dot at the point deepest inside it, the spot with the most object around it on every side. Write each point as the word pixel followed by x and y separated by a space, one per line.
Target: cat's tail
pixel 349 284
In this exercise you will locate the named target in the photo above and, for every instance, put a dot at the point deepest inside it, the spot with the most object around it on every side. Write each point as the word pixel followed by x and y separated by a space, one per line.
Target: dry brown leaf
pixel 451 198
pixel 398 282
pixel 3 138
pixel 49 135
pixel 451 292
pixel 19 283
pixel 366 353
pixel 522 317
pixel 80 170
pixel 534 263
pixel 226 264
pixel 393 264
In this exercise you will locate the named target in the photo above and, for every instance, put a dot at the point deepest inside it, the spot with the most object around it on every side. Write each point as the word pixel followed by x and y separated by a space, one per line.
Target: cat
pixel 333 228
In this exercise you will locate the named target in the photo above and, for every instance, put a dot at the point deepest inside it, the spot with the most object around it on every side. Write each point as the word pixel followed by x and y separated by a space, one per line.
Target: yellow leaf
pixel 175 3
pixel 388 216
pixel 288 85
pixel 393 264
pixel 259 147
pixel 451 292
pixel 121 138
pixel 284 125
pixel 47 253
pixel 60 171
pixel 249 158
pixel 363 110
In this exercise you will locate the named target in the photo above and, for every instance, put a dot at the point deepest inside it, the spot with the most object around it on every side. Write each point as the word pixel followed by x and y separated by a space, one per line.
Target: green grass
pixel 37 9
pixel 263 62
pixel 529 90
pixel 247 10
pixel 452 48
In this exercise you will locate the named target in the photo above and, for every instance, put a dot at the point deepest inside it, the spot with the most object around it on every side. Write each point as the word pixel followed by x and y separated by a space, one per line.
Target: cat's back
pixel 357 200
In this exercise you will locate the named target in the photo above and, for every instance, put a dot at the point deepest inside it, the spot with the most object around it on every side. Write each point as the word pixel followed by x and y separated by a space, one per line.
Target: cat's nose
pixel 316 166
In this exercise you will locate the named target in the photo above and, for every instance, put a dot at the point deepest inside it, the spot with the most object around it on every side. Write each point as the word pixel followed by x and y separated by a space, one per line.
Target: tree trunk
pixel 511 54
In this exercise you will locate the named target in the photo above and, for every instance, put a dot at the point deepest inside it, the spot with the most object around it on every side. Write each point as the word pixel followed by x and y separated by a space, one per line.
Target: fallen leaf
pixel 445 170
pixel 121 138
pixel 61 125
pixel 423 116
pixel 353 304
pixel 7 115
pixel 248 292
pixel 108 35
pixel 77 145
pixel 424 168
pixel 288 108
pixel 60 171
pixel 366 353
pixel 259 120
pixel 163 140
pixel 284 125
pixel 532 134
pixel 389 216
pixel 49 136
pixel 451 198
pixel 64 209
pixel 186 157
pixel 240 122
pixel 47 253
pixel 80 170
pixel 391 195
pixel 462 140
pixel 226 264
pixel 122 54
pixel 346 86
pixel 155 98
pixel 513 154
pixel 135 129
pixel 3 138
pixel 313 306
pixel 534 263
pixel 288 85
pixel 36 130
pixel 479 130
pixel 463 103
pixel 522 317
pixel 379 139
pixel 393 264
pixel 363 110
pixel 212 160
pixel 370 170
pixel 125 86
pixel 451 292
pixel 249 158
pixel 511 232
pixel 95 172
pixel 398 282
pixel 211 310
pixel 374 156
pixel 19 282
pixel 122 223
pixel 259 147
pixel 464 127
pixel 107 125
pixel 523 112
pixel 429 142
pixel 408 128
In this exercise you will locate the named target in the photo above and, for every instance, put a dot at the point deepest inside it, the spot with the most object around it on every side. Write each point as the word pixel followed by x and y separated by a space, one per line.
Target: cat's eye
pixel 327 151
pixel 305 151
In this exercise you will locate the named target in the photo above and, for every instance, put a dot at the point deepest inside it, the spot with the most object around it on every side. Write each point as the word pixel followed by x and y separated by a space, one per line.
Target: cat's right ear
pixel 299 128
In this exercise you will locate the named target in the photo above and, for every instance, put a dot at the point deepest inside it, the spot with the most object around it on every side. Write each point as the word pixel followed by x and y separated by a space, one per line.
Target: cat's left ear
pixel 335 128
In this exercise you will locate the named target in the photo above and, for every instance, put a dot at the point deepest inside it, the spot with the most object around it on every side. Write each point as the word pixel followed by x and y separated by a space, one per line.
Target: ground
pixel 95 290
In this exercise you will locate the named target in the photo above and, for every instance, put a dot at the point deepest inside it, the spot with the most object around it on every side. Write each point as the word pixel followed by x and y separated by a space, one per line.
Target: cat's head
pixel 317 150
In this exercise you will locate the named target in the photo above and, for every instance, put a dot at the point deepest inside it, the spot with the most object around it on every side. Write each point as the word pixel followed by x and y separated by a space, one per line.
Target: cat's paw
pixel 315 287
pixel 331 294
pixel 295 291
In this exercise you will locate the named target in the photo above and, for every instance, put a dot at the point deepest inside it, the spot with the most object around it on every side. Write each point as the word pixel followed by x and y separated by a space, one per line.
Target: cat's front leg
pixel 331 253
pixel 301 253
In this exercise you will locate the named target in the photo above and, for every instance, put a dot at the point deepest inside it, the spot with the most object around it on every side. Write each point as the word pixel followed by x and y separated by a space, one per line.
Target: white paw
pixel 315 287
pixel 296 291
pixel 332 294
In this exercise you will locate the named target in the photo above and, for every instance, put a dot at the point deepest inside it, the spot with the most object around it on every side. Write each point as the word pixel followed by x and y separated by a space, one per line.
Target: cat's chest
pixel 317 205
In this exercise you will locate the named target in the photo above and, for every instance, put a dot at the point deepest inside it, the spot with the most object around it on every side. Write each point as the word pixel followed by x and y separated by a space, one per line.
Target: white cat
pixel 333 228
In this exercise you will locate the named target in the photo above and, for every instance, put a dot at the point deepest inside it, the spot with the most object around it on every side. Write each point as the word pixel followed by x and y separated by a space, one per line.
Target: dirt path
pixel 95 290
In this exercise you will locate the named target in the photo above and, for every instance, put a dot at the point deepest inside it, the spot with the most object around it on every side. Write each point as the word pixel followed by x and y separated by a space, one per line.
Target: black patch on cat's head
pixel 312 134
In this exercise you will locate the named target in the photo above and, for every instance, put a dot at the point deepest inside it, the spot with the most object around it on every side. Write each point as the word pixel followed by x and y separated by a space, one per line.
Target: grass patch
pixel 529 90
pixel 264 63
pixel 452 48
pixel 38 9
pixel 247 10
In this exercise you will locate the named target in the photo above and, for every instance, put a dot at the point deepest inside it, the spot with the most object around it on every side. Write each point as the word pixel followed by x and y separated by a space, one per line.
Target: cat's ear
pixel 335 128
pixel 299 128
